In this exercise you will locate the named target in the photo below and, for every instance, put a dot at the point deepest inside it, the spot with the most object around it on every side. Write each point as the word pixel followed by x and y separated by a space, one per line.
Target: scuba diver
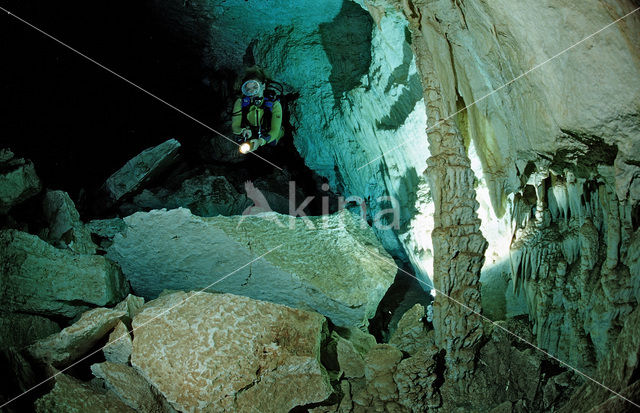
pixel 257 116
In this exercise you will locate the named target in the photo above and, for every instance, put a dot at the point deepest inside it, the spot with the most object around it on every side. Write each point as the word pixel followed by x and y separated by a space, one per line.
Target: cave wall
pixel 554 153
pixel 359 96
pixel 362 98
pixel 558 153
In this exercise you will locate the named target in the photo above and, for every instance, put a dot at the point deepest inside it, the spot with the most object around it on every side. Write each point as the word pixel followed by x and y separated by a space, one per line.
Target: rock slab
pixel 18 180
pixel 227 353
pixel 18 330
pixel 203 195
pixel 39 278
pixel 73 396
pixel 65 227
pixel 76 340
pixel 129 386
pixel 330 264
pixel 141 168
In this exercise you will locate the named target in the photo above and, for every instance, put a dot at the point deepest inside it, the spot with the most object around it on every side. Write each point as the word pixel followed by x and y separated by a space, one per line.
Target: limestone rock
pixel 411 334
pixel 615 404
pixel 132 305
pixel 379 388
pixel 238 37
pixel 19 330
pixel 18 181
pixel 616 371
pixel 41 279
pixel 568 271
pixel 345 405
pixel 120 345
pixel 204 195
pixel 508 370
pixel 603 111
pixel 505 407
pixel 106 228
pixel 64 223
pixel 372 76
pixel 415 377
pixel 380 364
pixel 230 352
pixel 458 243
pixel 351 361
pixel 462 43
pixel 125 382
pixel 21 374
pixel 73 396
pixel 330 264
pixel 76 340
pixel 361 341
pixel 5 155
pixel 141 169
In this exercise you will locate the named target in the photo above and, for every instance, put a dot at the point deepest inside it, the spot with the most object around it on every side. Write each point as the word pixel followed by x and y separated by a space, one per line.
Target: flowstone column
pixel 458 244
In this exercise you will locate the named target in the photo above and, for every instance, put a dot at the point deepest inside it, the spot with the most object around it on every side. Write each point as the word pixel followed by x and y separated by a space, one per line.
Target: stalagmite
pixel 458 243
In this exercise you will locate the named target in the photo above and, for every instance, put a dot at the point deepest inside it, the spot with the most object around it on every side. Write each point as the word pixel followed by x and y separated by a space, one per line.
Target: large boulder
pixel 332 264
pixel 18 180
pixel 39 278
pixel 412 334
pixel 119 346
pixel 220 352
pixel 139 170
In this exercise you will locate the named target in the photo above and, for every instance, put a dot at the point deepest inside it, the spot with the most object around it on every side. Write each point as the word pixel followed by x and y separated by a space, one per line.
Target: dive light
pixel 251 145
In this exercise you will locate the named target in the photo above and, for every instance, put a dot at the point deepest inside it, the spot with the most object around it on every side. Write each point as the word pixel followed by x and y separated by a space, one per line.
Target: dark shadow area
pixel 406 196
pixel 401 73
pixel 79 123
pixel 75 120
pixel 404 293
pixel 347 42
pixel 403 107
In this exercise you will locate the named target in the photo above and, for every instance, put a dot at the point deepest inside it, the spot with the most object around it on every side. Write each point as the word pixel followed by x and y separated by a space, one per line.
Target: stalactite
pixel 580 227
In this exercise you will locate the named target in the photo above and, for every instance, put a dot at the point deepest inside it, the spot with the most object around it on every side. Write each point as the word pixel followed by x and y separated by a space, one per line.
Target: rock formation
pixel 38 278
pixel 18 180
pixel 139 170
pixel 65 228
pixel 65 347
pixel 131 388
pixel 18 330
pixel 71 395
pixel 204 195
pixel 372 75
pixel 230 353
pixel 458 244
pixel 176 250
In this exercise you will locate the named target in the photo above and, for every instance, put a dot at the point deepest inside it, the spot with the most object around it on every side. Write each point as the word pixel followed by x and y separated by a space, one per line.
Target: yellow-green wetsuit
pixel 255 117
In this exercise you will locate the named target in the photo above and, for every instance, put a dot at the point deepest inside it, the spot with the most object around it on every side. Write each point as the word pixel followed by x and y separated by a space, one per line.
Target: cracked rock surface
pixel 229 353
pixel 332 264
